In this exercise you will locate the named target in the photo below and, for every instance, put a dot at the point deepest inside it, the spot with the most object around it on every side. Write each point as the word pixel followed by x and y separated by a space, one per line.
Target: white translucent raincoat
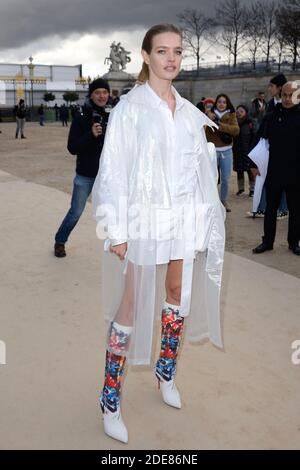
pixel 153 173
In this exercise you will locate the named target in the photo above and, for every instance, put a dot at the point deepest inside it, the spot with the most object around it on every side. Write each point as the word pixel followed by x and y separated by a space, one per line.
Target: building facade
pixel 31 81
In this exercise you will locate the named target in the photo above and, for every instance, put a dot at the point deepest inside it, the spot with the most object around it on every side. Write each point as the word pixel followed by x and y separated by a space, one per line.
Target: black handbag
pixel 226 138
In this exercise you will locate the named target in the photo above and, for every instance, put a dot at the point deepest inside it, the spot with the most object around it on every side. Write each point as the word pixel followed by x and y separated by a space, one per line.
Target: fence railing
pixel 221 68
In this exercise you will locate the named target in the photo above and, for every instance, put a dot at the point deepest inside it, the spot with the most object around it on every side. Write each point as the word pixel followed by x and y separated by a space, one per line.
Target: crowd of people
pixel 62 113
pixel 234 152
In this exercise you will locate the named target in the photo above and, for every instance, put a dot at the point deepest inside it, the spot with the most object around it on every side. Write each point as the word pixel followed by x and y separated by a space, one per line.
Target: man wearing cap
pixel 282 129
pixel 86 139
pixel 274 87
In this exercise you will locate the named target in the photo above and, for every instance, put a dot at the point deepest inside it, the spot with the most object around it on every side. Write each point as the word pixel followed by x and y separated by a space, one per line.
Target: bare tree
pixel 267 11
pixel 279 47
pixel 254 31
pixel 196 28
pixel 232 17
pixel 288 22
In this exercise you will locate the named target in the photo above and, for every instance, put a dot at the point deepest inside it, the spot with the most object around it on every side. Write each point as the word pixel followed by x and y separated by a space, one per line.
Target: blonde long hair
pixel 147 45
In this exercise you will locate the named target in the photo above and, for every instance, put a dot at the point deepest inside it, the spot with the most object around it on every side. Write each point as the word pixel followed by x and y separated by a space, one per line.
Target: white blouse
pixel 179 167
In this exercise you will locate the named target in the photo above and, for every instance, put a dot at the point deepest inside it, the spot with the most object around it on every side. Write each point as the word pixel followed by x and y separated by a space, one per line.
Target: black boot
pixel 59 250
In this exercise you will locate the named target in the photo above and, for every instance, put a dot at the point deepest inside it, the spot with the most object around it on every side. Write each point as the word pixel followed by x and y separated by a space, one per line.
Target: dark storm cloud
pixel 24 21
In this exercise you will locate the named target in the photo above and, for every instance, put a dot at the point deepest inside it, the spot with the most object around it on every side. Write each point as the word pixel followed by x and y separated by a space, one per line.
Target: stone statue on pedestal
pixel 118 57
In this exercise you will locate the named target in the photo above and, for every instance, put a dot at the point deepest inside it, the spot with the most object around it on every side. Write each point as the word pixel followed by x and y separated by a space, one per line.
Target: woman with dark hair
pixel 223 114
pixel 157 205
pixel 241 148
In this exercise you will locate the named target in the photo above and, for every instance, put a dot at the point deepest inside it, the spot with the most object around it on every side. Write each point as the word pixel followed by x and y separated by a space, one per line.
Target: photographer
pixel 86 139
pixel 223 114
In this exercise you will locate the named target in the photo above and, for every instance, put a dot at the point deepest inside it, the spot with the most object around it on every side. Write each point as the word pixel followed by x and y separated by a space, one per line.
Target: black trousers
pixel 273 197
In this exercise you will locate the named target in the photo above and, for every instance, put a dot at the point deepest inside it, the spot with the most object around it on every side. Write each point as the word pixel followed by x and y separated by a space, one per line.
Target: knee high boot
pixel 118 343
pixel 165 370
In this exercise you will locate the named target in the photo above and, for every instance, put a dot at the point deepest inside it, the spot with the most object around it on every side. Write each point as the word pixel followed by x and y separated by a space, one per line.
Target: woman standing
pixel 156 201
pixel 241 148
pixel 223 114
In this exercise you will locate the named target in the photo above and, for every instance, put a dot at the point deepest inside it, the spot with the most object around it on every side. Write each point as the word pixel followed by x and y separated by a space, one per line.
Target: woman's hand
pixel 97 129
pixel 119 250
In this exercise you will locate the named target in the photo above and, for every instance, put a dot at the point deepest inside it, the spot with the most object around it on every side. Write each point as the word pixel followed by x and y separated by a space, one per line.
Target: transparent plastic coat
pixel 135 172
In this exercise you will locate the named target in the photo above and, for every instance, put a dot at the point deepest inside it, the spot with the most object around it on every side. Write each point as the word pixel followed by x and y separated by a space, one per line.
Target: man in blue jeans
pixel 86 139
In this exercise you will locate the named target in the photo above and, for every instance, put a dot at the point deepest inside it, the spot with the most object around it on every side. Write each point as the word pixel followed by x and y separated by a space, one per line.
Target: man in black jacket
pixel 282 129
pixel 86 140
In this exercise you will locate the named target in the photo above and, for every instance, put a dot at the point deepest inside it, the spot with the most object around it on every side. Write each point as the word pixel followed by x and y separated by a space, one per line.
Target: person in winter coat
pixel 282 129
pixel 223 114
pixel 20 113
pixel 41 112
pixel 64 115
pixel 241 148
pixel 157 205
pixel 275 86
pixel 258 110
pixel 86 140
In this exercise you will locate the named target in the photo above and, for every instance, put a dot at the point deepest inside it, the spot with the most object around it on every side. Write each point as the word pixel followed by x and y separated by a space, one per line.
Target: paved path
pixel 245 397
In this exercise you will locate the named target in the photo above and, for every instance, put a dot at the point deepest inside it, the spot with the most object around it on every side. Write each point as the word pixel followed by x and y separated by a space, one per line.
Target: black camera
pixel 100 119
pixel 97 118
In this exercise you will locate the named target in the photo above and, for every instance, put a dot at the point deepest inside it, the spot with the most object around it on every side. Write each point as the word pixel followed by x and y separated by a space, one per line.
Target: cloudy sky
pixel 80 31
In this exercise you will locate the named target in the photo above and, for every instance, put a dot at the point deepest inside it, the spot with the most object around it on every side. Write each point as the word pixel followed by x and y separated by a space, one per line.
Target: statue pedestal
pixel 118 81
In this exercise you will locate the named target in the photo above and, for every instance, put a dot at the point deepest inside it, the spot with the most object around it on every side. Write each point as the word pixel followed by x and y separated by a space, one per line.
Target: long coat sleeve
pixel 110 191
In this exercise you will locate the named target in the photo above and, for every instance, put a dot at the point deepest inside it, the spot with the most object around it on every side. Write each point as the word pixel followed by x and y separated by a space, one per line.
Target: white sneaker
pixel 114 425
pixel 169 392
pixel 282 215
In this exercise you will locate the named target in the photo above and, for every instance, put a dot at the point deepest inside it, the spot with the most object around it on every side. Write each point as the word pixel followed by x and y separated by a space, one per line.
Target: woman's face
pixel 240 113
pixel 221 104
pixel 165 57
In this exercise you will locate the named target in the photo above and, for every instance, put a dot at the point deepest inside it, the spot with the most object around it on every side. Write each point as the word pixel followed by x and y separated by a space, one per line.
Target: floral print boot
pixel 165 370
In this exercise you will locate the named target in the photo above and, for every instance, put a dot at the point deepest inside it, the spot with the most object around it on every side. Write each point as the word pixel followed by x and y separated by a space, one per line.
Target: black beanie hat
pixel 98 83
pixel 279 80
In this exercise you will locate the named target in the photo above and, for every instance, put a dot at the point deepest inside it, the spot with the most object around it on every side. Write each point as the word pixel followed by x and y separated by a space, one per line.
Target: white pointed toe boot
pixel 165 370
pixel 114 425
pixel 109 399
pixel 169 392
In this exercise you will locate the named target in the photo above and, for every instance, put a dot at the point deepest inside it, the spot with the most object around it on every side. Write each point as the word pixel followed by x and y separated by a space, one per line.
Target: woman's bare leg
pixel 173 282
pixel 124 315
